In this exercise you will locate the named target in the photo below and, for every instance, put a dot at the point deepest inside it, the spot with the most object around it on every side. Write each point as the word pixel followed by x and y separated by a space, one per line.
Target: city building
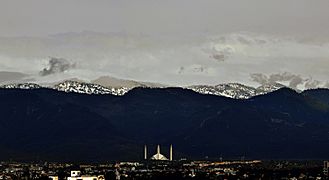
pixel 326 168
pixel 53 177
pixel 76 175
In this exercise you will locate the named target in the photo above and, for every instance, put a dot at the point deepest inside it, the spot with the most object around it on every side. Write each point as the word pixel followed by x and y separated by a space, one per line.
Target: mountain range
pixel 47 124
pixel 119 87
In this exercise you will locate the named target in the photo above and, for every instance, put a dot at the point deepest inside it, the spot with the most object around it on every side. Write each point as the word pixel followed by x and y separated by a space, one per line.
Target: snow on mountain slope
pixel 232 90
pixel 235 90
pixel 88 88
pixel 268 88
pixel 21 86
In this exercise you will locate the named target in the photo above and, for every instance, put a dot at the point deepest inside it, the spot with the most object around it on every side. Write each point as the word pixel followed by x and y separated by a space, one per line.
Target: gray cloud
pixel 219 57
pixel 294 80
pixel 280 77
pixel 259 78
pixel 181 70
pixel 312 84
pixel 57 65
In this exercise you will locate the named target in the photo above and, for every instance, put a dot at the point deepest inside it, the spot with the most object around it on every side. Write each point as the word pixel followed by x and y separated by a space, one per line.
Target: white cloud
pixel 167 59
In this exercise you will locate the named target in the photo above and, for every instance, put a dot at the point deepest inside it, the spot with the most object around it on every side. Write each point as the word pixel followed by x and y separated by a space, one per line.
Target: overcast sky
pixel 189 41
pixel 43 17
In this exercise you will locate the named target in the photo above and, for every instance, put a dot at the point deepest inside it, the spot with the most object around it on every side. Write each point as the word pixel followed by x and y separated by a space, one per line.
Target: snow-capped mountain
pixel 21 86
pixel 89 88
pixel 235 90
pixel 232 90
pixel 264 89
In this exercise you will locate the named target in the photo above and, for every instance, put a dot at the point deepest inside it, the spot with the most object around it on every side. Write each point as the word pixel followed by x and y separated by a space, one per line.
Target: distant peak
pixel 236 90
pixel 88 88
pixel 21 86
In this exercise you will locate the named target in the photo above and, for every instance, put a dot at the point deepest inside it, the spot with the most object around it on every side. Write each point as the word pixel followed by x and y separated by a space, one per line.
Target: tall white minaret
pixel 170 151
pixel 145 152
pixel 158 149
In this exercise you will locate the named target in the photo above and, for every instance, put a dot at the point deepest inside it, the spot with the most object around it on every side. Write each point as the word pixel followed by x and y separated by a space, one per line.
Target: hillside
pixel 53 125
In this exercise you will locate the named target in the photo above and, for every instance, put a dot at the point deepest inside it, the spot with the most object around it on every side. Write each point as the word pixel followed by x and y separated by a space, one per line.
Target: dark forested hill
pixel 49 125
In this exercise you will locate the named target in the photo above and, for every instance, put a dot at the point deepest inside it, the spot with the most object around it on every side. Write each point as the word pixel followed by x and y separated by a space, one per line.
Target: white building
pixel 326 168
pixel 53 177
pixel 76 175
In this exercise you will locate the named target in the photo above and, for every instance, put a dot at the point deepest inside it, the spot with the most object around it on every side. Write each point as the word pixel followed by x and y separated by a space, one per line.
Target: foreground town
pixel 158 169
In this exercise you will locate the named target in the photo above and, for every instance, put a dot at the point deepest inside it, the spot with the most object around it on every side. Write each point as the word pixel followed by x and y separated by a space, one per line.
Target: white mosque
pixel 158 156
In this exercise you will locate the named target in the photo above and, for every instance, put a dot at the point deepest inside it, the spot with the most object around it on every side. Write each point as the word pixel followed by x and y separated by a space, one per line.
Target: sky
pixel 175 42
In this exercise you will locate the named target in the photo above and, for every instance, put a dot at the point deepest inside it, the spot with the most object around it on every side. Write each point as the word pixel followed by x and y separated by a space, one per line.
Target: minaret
pixel 158 149
pixel 170 155
pixel 145 152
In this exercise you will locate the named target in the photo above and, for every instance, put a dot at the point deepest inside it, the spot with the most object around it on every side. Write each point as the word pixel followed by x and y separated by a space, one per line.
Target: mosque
pixel 158 156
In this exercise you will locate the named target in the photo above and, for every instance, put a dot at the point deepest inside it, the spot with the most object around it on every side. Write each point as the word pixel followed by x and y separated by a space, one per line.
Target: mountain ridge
pixel 232 90
pixel 50 123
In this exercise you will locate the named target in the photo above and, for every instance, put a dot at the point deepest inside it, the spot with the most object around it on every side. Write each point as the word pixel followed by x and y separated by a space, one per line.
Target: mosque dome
pixel 158 155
